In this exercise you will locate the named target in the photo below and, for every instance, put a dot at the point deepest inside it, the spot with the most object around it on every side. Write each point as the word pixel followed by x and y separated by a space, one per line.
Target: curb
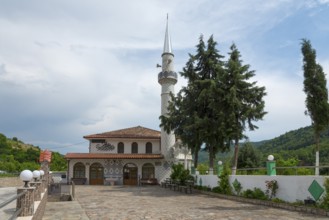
pixel 304 209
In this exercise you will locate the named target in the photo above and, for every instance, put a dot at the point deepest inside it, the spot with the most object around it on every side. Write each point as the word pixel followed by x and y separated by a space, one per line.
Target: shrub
pixel 271 188
pixel 237 187
pixel 180 174
pixel 257 193
pixel 224 183
pixel 324 203
pixel 217 189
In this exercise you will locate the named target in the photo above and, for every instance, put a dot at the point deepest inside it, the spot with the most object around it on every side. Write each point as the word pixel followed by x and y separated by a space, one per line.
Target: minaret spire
pixel 167 42
pixel 167 78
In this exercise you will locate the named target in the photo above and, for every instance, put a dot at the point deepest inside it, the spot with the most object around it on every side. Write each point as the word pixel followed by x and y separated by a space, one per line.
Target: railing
pixel 18 211
pixel 295 168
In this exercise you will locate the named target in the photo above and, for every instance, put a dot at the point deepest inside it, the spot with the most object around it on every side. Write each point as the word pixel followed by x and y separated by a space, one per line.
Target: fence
pixel 16 197
pixel 295 170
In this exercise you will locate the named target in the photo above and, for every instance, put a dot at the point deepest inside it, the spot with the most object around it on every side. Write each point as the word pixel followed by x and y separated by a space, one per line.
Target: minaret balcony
pixel 167 75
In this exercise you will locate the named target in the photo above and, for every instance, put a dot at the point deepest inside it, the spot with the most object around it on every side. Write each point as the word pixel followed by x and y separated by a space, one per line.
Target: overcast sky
pixel 74 68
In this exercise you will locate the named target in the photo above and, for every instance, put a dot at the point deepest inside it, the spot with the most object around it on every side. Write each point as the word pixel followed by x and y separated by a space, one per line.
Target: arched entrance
pixel 130 174
pixel 96 174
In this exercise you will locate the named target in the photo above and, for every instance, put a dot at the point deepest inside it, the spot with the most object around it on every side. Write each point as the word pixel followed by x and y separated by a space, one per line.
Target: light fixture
pixel 41 173
pixel 26 176
pixel 220 163
pixel 36 175
pixel 270 157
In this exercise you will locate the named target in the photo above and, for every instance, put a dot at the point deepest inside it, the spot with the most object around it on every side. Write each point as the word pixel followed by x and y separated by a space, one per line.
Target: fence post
pixel 270 165
pixel 26 201
pixel 37 191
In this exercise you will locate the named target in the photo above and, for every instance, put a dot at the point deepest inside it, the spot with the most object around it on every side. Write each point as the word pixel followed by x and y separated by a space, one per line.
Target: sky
pixel 80 67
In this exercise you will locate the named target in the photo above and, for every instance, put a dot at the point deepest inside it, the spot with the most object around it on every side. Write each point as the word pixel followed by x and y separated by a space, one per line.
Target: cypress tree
pixel 316 95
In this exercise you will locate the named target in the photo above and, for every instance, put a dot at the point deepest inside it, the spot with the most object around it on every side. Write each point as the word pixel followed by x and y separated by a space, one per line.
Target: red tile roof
pixel 138 132
pixel 112 156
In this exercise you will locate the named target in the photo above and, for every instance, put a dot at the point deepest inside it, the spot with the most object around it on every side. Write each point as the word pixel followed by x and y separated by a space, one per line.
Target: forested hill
pixel 298 144
pixel 292 140
pixel 16 156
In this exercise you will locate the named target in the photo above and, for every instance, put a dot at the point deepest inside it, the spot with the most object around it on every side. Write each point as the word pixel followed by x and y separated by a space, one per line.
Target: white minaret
pixel 167 79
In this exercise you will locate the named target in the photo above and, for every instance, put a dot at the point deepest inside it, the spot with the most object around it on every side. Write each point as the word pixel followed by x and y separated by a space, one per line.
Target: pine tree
pixel 243 100
pixel 316 95
pixel 193 115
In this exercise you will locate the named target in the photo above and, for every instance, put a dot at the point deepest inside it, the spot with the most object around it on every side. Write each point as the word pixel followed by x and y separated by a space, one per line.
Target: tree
pixel 193 115
pixel 58 162
pixel 249 157
pixel 316 95
pixel 243 101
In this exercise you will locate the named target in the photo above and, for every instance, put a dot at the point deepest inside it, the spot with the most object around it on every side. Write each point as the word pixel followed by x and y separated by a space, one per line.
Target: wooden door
pixel 130 174
pixel 96 174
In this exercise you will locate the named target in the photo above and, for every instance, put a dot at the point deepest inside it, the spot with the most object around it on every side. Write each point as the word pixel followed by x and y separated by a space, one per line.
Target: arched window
pixel 121 148
pixel 148 149
pixel 148 171
pixel 134 148
pixel 79 170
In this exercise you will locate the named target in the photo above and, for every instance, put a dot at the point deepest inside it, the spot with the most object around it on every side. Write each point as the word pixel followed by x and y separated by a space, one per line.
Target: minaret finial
pixel 167 42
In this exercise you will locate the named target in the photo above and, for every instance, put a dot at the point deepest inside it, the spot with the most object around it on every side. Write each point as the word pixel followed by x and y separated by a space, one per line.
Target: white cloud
pixel 72 68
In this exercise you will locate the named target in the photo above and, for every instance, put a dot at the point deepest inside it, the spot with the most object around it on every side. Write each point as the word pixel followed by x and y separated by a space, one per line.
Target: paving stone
pixel 154 202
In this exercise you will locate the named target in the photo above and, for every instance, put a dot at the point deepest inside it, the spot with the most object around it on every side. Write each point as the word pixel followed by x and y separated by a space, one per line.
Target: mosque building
pixel 135 155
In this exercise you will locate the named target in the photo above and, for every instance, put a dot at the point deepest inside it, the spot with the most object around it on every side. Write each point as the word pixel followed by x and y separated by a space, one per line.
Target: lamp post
pixel 42 173
pixel 36 175
pixel 26 201
pixel 26 176
pixel 220 168
pixel 270 166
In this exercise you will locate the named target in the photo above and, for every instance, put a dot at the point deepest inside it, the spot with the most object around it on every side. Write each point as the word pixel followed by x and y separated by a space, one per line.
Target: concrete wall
pixel 291 188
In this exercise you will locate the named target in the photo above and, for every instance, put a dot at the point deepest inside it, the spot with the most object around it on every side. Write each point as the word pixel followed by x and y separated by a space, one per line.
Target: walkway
pixel 154 202
pixel 5 194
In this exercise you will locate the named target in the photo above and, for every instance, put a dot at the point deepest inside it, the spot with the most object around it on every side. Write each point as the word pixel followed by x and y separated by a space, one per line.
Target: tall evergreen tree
pixel 316 95
pixel 243 100
pixel 193 115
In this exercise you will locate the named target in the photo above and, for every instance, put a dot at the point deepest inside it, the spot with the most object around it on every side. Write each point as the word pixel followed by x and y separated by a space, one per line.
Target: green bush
pixel 202 168
pixel 271 188
pixel 180 174
pixel 217 189
pixel 224 182
pixel 257 193
pixel 237 187
pixel 324 203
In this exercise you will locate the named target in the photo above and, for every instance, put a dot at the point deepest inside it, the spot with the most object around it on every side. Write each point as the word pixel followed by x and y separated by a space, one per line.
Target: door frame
pixel 130 174
pixel 99 174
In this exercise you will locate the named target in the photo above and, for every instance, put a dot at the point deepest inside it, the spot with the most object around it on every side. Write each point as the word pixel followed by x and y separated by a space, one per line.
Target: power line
pixel 68 145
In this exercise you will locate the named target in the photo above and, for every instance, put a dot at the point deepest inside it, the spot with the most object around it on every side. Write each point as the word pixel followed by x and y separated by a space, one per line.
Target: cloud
pixel 72 68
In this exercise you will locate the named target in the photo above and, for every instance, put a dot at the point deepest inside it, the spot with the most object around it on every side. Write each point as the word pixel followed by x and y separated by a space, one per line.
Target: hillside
pixel 297 144
pixel 16 156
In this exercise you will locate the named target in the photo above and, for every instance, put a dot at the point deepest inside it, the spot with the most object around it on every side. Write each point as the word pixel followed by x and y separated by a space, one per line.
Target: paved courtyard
pixel 154 202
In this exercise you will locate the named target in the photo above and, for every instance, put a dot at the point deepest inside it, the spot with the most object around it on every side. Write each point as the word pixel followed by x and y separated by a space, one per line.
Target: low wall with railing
pixel 291 188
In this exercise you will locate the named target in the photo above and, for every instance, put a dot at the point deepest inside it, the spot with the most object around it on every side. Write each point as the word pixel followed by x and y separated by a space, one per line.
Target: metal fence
pixel 293 170
pixel 8 201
